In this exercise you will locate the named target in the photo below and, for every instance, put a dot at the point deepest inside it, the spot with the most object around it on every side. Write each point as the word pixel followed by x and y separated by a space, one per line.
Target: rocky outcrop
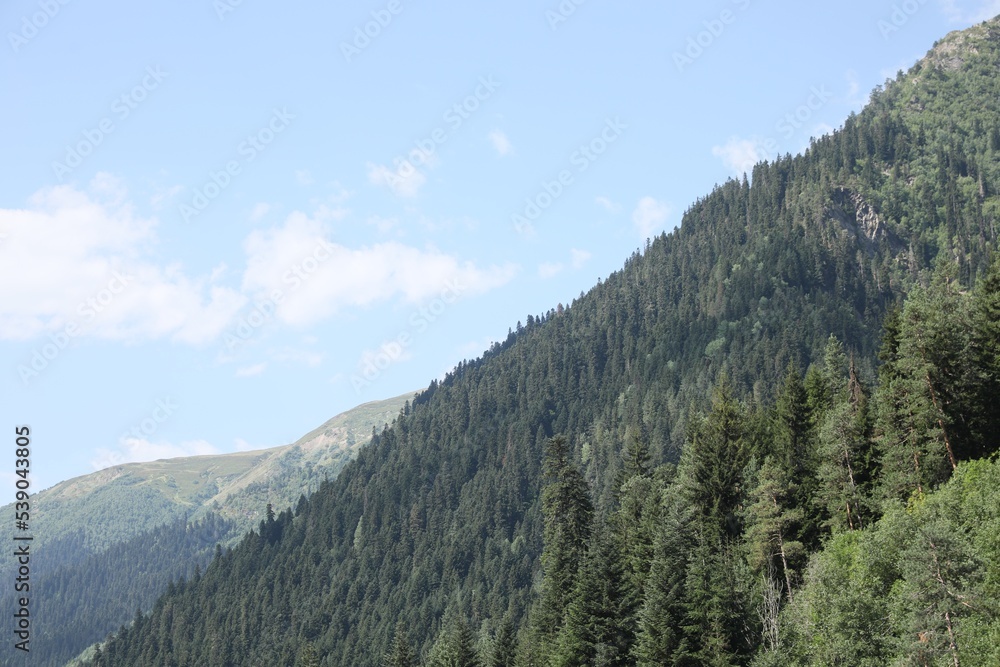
pixel 860 221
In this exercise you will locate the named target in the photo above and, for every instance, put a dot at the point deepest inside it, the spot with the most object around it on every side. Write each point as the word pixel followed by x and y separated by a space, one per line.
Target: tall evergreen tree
pixel 455 647
pixel 661 640
pixel 844 444
pixel 771 524
pixel 568 513
pixel 598 628
pixel 712 466
pixel 401 654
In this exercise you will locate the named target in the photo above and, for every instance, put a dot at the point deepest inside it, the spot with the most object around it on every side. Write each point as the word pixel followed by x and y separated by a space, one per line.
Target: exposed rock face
pixel 861 221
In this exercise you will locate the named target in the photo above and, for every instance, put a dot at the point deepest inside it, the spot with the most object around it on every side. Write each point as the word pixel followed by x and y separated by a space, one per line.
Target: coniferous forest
pixel 769 439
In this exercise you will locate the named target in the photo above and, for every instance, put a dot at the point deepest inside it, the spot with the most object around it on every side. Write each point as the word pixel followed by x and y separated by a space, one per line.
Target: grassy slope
pixel 111 505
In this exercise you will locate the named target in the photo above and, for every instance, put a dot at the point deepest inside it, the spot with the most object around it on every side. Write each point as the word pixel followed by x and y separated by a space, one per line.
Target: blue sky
pixel 223 222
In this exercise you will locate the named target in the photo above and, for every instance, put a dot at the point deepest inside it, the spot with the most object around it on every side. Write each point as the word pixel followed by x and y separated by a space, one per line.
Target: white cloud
pixel 856 98
pixel 578 258
pixel 259 211
pixel 318 278
pixel 251 371
pixel 501 143
pixel 549 270
pixel 340 193
pixel 291 355
pixel 970 11
pixel 390 350
pixel 608 205
pixel 303 177
pixel 161 195
pixel 241 445
pixel 474 349
pixel 86 259
pixel 822 129
pixel 740 155
pixel 383 225
pixel 140 450
pixel 403 182
pixel 650 216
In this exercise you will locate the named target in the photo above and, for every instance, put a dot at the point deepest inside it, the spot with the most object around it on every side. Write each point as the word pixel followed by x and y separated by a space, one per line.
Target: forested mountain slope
pixel 440 522
pixel 111 541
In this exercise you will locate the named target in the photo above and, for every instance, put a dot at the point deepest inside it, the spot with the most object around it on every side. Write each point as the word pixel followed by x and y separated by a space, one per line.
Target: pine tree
pixel 400 655
pixel 661 618
pixel 455 647
pixel 927 402
pixel 598 629
pixel 308 656
pixel 503 646
pixel 794 451
pixel 712 465
pixel 940 578
pixel 567 512
pixel 986 341
pixel 844 446
pixel 770 523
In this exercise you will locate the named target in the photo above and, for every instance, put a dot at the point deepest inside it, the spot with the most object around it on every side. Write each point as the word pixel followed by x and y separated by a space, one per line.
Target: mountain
pixel 656 391
pixel 111 540
pixel 109 506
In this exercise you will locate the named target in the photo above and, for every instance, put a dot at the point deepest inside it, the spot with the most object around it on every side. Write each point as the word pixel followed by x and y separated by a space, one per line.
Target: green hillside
pixel 650 475
pixel 114 504
pixel 110 540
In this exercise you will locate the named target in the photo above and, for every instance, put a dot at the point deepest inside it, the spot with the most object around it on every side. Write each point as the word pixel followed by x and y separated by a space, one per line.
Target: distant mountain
pixel 107 542
pixel 435 533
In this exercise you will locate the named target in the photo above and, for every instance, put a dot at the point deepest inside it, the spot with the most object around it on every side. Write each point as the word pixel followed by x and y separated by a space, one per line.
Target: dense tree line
pixel 469 533
pixel 74 603
pixel 900 573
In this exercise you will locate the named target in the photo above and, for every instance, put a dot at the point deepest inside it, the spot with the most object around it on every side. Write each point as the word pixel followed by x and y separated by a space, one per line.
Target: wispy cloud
pixel 740 155
pixel 259 211
pixel 969 11
pixel 608 205
pixel 650 216
pixel 580 258
pixel 501 143
pixel 548 270
pixel 405 182
pixel 251 371
pixel 140 450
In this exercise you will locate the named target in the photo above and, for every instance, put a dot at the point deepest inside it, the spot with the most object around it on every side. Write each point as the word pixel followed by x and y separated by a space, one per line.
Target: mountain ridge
pixel 96 526
pixel 442 516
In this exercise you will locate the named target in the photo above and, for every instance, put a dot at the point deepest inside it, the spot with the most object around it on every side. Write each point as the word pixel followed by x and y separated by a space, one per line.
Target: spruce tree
pixel 567 515
pixel 400 655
